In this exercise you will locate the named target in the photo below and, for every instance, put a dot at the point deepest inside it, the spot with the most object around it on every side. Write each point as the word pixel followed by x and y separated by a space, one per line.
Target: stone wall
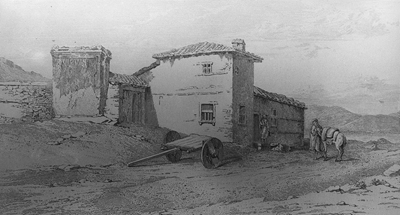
pixel 286 125
pixel 243 90
pixel 25 102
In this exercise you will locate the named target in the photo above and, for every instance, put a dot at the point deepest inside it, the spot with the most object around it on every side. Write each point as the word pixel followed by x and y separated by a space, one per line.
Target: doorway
pixel 256 126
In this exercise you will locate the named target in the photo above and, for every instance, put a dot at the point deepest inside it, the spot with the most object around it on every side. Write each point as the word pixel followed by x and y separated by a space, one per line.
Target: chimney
pixel 239 44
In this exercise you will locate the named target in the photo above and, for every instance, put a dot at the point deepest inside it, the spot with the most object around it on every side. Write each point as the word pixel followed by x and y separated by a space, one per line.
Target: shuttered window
pixel 207 114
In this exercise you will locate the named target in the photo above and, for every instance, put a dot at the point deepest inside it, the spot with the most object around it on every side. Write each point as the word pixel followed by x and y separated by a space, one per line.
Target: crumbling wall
pixel 25 102
pixel 80 80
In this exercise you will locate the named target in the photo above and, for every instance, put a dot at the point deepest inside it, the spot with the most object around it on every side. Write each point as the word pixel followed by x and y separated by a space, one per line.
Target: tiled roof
pixel 203 48
pixel 115 78
pixel 278 98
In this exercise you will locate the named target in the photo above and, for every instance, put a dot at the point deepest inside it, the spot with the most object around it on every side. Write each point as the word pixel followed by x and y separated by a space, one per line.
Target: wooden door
pixel 131 106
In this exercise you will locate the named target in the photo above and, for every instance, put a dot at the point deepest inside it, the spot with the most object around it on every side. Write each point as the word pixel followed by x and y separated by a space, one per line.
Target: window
pixel 242 114
pixel 207 68
pixel 207 114
pixel 274 116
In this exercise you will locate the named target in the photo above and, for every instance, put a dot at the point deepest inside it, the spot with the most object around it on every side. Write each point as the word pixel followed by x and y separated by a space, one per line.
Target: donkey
pixel 333 136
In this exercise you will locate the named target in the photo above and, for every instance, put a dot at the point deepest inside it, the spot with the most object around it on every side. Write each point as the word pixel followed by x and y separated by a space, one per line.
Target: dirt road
pixel 249 182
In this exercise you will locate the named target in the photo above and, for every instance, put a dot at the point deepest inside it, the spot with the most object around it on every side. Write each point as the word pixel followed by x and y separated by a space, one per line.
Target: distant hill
pixel 9 72
pixel 347 121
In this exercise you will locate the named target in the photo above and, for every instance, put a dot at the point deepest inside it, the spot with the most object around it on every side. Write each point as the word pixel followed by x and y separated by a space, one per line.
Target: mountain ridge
pixel 347 121
pixel 10 72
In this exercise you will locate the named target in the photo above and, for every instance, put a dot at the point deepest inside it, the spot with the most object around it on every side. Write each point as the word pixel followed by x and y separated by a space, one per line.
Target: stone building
pixel 208 88
pixel 286 117
pixel 80 80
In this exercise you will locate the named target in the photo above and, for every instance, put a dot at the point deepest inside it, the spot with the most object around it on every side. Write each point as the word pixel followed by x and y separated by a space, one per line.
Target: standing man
pixel 316 143
pixel 264 126
pixel 315 127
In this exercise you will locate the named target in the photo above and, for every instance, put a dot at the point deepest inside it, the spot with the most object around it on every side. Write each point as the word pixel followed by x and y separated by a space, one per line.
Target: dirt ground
pixel 88 175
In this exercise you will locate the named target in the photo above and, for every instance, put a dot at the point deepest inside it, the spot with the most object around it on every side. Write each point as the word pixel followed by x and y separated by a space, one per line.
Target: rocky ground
pixel 65 167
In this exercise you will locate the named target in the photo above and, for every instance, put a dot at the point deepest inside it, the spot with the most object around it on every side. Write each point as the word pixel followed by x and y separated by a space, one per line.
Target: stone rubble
pixel 77 135
pixel 36 102
pixel 280 147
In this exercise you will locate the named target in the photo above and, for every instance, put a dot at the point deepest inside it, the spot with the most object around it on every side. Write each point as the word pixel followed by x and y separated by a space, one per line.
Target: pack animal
pixel 333 136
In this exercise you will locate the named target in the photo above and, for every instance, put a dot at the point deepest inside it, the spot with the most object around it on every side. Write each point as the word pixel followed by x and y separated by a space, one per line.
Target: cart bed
pixel 211 149
pixel 192 142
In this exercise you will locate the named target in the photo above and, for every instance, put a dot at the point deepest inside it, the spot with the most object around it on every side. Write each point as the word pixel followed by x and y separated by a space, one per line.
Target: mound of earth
pixel 378 144
pixel 380 141
pixel 57 142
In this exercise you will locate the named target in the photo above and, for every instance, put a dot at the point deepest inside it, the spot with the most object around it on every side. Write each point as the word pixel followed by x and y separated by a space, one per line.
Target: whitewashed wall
pixel 179 87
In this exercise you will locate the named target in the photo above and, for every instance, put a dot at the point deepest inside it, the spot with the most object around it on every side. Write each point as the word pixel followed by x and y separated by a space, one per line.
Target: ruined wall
pixel 289 128
pixel 179 87
pixel 25 102
pixel 243 83
pixel 80 80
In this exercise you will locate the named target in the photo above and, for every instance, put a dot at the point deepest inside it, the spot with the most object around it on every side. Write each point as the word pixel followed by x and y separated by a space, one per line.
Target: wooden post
pixel 143 107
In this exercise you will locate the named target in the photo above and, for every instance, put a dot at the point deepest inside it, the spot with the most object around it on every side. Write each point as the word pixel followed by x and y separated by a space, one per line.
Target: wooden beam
pixel 131 164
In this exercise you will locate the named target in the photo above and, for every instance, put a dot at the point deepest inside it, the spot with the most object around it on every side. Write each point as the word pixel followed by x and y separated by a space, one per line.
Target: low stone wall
pixel 26 102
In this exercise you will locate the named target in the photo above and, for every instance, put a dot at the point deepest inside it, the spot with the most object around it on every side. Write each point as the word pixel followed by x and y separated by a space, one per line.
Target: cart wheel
pixel 172 136
pixel 212 153
pixel 175 156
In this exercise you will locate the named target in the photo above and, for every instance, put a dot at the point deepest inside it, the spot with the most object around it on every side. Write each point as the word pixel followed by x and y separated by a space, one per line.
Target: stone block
pixel 393 171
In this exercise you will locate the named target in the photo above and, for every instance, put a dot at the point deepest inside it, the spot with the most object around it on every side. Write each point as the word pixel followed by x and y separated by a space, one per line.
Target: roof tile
pixel 203 48
pixel 278 97
pixel 116 78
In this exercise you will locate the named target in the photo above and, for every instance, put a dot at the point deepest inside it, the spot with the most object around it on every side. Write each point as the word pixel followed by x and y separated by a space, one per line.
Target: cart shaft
pixel 152 156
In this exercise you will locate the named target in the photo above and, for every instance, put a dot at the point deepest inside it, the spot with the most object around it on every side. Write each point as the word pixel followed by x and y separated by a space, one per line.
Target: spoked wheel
pixel 174 156
pixel 212 153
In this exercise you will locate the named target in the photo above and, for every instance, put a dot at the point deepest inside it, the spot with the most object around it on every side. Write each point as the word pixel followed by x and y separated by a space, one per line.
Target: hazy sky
pixel 303 42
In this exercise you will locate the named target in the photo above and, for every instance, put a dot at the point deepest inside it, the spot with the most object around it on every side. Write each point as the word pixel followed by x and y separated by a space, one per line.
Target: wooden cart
pixel 211 149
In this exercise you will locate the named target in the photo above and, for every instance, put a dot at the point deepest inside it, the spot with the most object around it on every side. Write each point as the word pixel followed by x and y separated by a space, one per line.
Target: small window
pixel 207 68
pixel 207 114
pixel 242 114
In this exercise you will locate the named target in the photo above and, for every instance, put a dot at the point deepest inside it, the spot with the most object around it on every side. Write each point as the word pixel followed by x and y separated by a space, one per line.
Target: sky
pixel 329 46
